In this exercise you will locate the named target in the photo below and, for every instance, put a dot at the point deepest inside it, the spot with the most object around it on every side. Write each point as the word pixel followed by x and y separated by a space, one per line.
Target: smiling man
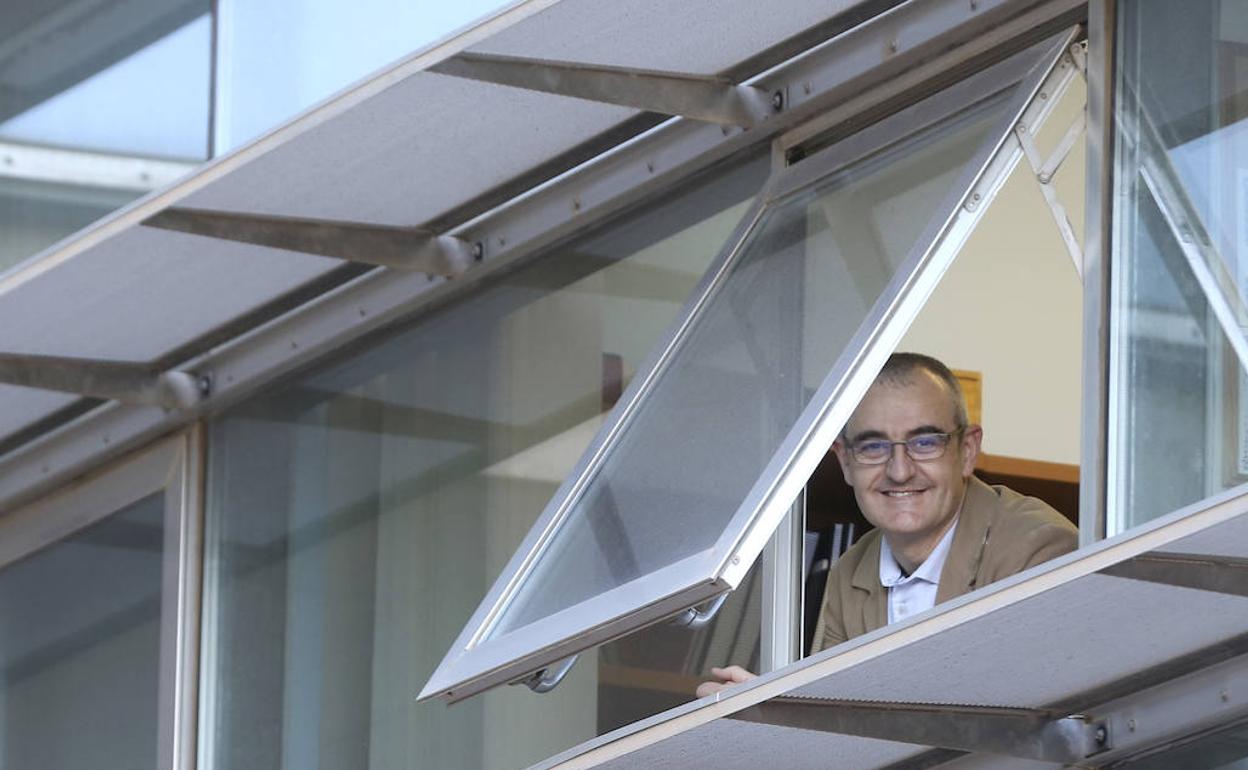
pixel 909 452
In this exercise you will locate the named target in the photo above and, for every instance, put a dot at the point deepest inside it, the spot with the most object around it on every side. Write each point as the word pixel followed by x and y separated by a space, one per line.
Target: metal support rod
pixel 1044 171
pixel 694 619
pixel 547 679
pixel 711 99
pixel 1220 574
pixel 404 248
pixel 129 383
pixel 1015 732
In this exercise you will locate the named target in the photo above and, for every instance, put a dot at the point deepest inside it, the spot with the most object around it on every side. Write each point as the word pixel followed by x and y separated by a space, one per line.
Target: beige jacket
pixel 999 533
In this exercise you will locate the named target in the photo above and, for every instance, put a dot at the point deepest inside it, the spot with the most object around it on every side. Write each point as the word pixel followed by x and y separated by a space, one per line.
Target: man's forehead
pixel 900 407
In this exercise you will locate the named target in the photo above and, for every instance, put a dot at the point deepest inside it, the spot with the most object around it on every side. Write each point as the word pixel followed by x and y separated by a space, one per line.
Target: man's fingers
pixel 733 674
pixel 729 675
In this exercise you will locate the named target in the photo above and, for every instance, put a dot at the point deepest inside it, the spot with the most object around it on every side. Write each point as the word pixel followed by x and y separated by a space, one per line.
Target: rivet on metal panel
pixel 777 100
pixel 1100 737
pixel 892 46
pixel 502 242
pixel 974 5
pixel 807 88
pixel 1131 725
pixel 736 559
pixel 478 251
pixel 1225 695
pixel 203 383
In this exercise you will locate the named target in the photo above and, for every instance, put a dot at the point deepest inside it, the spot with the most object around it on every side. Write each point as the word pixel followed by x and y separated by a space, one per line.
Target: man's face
pixel 913 501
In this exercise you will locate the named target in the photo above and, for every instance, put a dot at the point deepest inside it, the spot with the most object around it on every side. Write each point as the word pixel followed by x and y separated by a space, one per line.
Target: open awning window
pixel 715 437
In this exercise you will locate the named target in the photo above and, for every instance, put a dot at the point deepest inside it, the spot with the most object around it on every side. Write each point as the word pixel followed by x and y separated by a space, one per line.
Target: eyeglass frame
pixel 851 447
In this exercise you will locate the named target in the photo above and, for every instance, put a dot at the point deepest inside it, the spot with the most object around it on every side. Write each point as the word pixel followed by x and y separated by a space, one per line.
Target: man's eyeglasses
pixel 877 451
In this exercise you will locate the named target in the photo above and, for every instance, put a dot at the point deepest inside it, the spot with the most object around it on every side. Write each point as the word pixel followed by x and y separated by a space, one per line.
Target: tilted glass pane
pixel 1179 395
pixel 777 320
pixel 80 646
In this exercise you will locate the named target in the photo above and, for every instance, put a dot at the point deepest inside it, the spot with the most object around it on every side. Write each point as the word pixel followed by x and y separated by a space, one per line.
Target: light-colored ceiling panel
pixel 143 293
pixel 728 744
pixel 411 153
pixel 1107 624
pixel 702 38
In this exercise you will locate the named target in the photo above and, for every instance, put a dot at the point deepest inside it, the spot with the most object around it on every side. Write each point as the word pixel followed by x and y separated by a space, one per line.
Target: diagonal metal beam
pixel 1221 574
pixel 129 383
pixel 405 248
pixel 700 97
pixel 1015 732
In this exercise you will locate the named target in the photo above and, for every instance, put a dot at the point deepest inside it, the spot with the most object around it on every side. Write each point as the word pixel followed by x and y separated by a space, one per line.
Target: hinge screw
pixel 777 101
pixel 478 251
pixel 204 384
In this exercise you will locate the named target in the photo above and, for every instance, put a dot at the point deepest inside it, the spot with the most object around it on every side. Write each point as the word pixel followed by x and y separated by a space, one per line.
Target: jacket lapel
pixel 867 578
pixel 966 553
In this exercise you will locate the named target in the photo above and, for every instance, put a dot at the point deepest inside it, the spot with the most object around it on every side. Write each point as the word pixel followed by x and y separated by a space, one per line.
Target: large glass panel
pixel 278 58
pixel 80 630
pixel 358 515
pixel 1179 397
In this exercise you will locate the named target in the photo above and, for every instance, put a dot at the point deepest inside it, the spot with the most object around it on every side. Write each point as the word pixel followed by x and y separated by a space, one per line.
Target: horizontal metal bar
pixel 1222 574
pixel 404 248
pixel 128 383
pixel 699 97
pixel 78 168
pixel 1015 732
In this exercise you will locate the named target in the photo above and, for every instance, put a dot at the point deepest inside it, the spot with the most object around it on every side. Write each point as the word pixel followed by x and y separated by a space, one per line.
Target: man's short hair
pixel 900 369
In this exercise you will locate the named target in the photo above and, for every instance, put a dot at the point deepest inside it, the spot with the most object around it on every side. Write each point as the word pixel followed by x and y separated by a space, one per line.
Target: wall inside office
pixel 1011 308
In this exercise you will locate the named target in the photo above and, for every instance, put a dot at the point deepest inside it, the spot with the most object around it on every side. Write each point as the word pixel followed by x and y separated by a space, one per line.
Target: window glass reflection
pixel 80 646
pixel 280 57
pixel 359 515
pixel 1179 395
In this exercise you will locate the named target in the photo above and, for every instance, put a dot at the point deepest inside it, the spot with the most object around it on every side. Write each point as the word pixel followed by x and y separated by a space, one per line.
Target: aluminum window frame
pixel 173 468
pixel 477 662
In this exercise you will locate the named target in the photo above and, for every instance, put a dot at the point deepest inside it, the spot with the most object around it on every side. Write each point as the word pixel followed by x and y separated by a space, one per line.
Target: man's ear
pixel 842 455
pixel 972 438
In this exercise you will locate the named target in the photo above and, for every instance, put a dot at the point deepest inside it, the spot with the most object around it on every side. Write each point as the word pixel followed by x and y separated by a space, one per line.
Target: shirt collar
pixel 929 571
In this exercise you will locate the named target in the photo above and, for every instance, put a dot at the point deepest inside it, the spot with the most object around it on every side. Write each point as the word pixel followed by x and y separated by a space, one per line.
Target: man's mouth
pixel 901 492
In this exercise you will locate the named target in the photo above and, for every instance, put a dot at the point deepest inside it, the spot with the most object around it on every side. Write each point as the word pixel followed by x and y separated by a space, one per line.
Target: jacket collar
pixel 965 554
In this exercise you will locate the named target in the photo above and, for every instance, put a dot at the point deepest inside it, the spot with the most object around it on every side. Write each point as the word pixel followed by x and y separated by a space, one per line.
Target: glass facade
pixel 357 517
pixel 80 637
pixel 135 80
pixel 1179 395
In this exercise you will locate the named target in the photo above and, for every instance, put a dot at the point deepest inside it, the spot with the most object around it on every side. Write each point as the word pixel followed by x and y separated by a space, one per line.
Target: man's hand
pixel 728 676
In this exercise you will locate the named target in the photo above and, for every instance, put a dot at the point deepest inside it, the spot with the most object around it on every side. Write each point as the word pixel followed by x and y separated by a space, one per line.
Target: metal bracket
pixel 547 679
pixel 128 383
pixel 1079 56
pixel 1045 170
pixel 404 248
pixel 711 99
pixel 1222 574
pixel 694 619
pixel 1015 732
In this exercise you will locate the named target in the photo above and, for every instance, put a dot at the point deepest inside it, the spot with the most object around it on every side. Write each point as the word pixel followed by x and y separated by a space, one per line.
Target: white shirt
pixel 911 594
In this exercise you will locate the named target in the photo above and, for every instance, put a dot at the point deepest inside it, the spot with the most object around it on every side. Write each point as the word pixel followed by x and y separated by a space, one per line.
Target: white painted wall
pixel 1011 308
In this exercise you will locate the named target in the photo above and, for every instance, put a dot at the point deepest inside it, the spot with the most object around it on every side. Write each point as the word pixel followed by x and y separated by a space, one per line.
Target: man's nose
pixel 900 466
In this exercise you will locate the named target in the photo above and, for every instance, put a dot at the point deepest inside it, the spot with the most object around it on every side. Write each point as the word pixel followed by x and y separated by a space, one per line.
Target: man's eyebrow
pixel 871 435
pixel 867 435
